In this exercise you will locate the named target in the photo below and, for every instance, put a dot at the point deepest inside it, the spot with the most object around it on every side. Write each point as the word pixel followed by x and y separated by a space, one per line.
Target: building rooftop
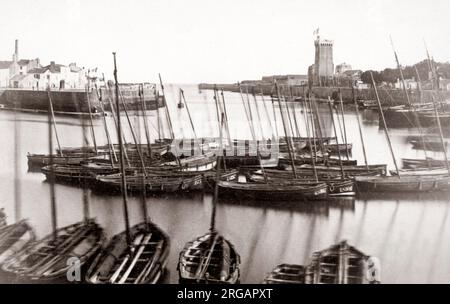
pixel 5 64
pixel 18 77
pixel 23 62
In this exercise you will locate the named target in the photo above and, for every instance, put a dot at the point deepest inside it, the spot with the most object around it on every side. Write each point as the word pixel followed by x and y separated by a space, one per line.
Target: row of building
pixel 323 73
pixel 30 74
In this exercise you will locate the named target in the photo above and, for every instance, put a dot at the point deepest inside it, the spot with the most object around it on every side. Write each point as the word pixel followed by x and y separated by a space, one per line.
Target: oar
pixel 116 274
pixel 135 258
pixel 150 266
pixel 205 263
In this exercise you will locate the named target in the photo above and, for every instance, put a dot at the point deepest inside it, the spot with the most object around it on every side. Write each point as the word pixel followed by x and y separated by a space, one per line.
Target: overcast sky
pixel 191 41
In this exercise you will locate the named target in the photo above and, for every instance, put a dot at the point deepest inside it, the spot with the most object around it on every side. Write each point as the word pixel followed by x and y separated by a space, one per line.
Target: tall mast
pixel 343 124
pixel 144 117
pixel 17 185
pixel 274 117
pixel 143 176
pixel 190 120
pixel 258 115
pixel 212 227
pixel 250 113
pixel 90 115
pixel 315 110
pixel 419 84
pixel 252 131
pixel 313 129
pixel 115 118
pixel 401 72
pixel 294 115
pixel 50 116
pixel 167 108
pixel 112 151
pixel 122 161
pixel 337 141
pixel 359 128
pixel 266 112
pixel 386 132
pixel 441 136
pixel 138 148
pixel 226 116
pixel 308 133
pixel 84 185
pixel 294 172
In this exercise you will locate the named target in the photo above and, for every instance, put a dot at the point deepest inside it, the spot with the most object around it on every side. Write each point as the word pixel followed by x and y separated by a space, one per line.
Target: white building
pixel 411 84
pixel 343 67
pixel 31 75
pixel 4 73
pixel 55 76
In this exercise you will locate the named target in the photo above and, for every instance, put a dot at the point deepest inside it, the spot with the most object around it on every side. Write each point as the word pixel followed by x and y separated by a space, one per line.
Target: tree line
pixel 389 75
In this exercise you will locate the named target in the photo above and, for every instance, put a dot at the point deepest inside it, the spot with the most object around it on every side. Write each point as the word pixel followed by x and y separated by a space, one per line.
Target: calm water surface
pixel 408 232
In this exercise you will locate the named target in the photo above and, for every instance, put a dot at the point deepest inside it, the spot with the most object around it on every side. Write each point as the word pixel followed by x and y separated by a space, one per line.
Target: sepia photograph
pixel 258 143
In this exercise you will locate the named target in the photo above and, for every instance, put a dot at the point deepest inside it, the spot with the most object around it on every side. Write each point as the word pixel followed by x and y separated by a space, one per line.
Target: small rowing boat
pixel 142 262
pixel 209 259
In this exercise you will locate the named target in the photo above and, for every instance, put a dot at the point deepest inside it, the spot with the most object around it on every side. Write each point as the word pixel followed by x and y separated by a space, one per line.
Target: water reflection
pixel 406 231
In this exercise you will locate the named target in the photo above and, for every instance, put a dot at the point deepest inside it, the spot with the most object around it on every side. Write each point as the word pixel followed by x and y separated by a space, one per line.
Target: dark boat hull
pixel 209 259
pixel 274 192
pixel 148 266
pixel 425 183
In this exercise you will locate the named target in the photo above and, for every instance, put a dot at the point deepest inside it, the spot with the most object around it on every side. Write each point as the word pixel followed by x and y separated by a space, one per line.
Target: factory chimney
pixel 16 51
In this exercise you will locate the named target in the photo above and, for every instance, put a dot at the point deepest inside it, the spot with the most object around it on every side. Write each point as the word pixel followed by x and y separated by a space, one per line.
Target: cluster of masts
pixel 305 171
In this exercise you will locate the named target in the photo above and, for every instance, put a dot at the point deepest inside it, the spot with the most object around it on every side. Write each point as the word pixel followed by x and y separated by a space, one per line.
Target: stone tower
pixel 323 64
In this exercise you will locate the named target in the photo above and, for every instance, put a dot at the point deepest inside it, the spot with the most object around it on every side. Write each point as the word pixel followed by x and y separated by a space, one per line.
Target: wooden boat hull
pixel 46 260
pixel 143 263
pixel 421 183
pixel 421 171
pixel 153 183
pixel 286 274
pixel 41 160
pixel 334 171
pixel 198 264
pixel 410 163
pixel 272 191
pixel 338 264
pixel 429 145
pixel 335 186
pixel 69 174
pixel 14 238
pixel 338 148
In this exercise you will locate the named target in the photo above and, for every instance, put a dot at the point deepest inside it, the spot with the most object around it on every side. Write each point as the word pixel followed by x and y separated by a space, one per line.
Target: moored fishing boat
pixel 413 163
pixel 68 174
pixel 338 264
pixel 153 183
pixel 342 264
pixel 209 259
pixel 142 262
pixel 196 163
pixel 412 183
pixel 14 237
pixel 286 274
pixel 335 185
pixel 275 190
pixel 336 148
pixel 350 171
pixel 429 144
pixel 42 160
pixel 421 171
pixel 46 259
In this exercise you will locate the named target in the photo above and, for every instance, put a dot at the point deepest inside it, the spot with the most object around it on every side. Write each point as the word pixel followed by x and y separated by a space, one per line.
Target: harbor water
pixel 407 232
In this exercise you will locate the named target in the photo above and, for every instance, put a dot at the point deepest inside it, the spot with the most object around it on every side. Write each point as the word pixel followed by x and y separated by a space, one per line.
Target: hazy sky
pixel 190 41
